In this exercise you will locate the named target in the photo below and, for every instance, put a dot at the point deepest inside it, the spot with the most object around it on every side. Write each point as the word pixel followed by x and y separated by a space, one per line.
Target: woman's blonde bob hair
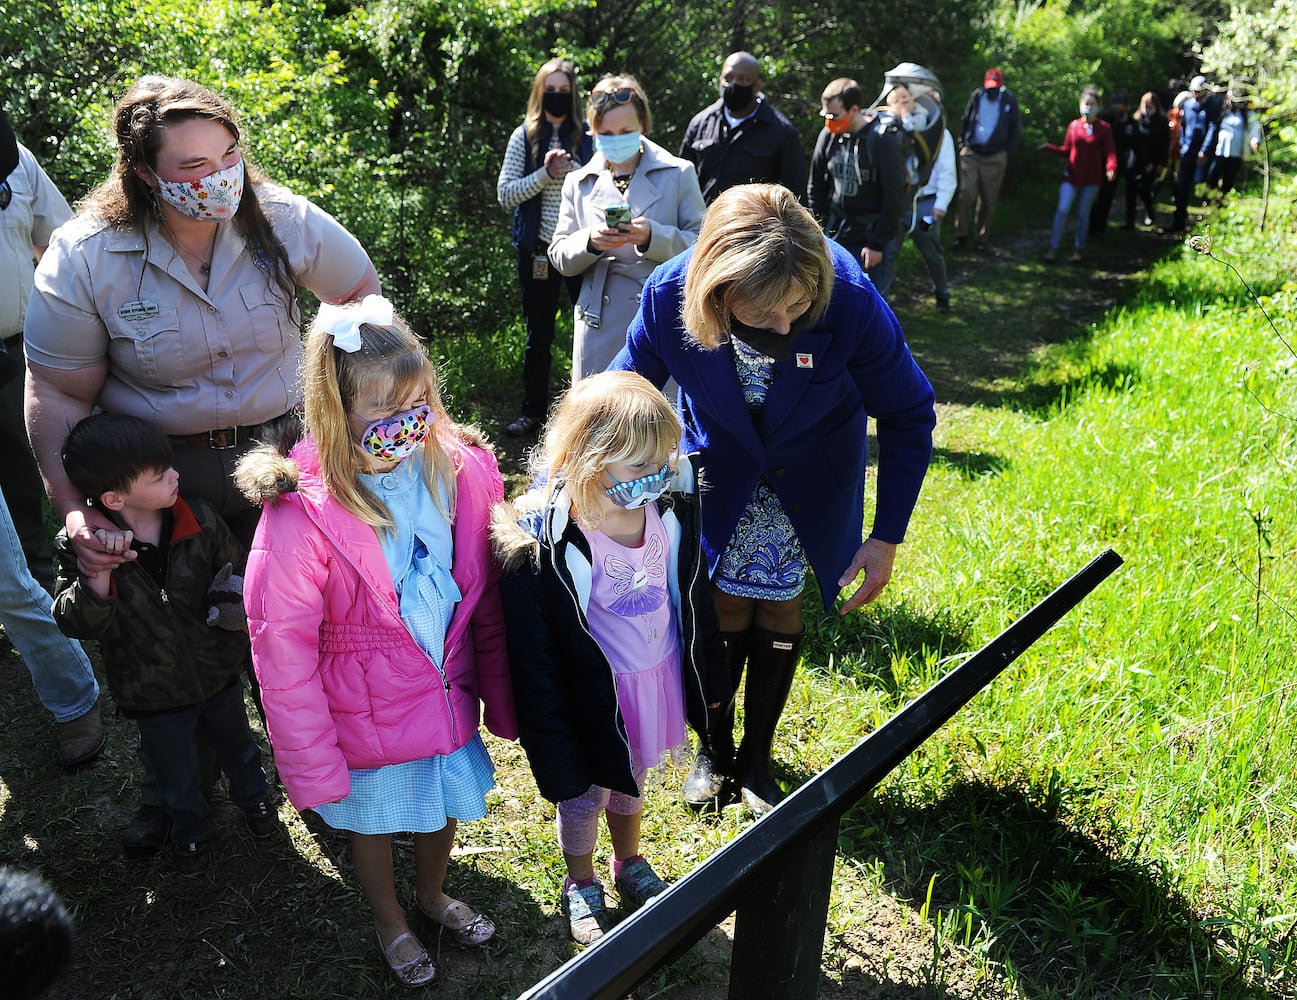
pixel 609 417
pixel 389 366
pixel 757 247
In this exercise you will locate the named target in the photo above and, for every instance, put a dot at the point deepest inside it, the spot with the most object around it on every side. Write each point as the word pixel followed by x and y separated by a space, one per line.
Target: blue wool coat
pixel 809 440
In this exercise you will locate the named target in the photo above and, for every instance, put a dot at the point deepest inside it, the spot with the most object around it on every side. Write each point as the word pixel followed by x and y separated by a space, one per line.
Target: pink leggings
pixel 578 818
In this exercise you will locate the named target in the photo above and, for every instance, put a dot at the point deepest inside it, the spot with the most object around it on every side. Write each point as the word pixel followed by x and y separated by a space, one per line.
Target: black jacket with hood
pixel 564 689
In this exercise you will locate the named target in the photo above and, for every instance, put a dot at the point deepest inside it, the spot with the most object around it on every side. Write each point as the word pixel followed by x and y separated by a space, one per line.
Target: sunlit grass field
pixel 1118 812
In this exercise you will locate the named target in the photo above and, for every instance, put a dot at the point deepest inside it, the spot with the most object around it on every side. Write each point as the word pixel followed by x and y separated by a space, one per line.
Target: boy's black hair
pixel 107 451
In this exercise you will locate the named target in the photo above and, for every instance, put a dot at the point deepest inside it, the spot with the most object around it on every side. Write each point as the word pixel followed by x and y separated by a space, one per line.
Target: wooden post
pixel 779 926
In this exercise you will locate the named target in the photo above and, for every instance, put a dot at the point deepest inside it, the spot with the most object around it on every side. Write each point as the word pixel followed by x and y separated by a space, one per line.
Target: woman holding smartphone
pixel 633 206
pixel 549 143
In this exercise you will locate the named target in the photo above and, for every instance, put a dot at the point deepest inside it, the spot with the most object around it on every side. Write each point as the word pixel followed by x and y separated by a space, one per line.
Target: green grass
pixel 1115 816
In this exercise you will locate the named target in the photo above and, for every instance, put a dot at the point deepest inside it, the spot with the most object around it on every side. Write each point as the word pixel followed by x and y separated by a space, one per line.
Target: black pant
pixel 170 744
pixel 1224 173
pixel 539 310
pixel 1184 185
pixel 1141 185
pixel 1102 206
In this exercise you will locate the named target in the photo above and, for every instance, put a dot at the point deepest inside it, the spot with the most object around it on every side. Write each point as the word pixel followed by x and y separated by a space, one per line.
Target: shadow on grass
pixel 1069 914
pixel 970 465
pixel 281 917
pixel 1045 398
pixel 1009 305
pixel 867 645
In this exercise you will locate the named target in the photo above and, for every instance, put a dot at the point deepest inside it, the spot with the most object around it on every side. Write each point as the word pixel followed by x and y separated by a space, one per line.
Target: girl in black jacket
pixel 612 637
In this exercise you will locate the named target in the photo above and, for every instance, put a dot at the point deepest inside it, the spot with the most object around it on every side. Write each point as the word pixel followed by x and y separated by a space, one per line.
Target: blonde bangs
pixel 757 246
pixel 390 364
pixel 606 418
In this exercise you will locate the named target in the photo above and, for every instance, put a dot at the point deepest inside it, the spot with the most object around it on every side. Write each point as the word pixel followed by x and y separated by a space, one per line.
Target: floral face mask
pixel 213 198
pixel 394 438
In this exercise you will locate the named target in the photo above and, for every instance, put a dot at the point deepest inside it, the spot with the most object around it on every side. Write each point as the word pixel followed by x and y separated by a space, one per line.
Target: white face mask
pixel 213 198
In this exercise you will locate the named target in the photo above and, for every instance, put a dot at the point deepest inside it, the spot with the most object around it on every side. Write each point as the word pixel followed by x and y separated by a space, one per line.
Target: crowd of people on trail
pixel 239 505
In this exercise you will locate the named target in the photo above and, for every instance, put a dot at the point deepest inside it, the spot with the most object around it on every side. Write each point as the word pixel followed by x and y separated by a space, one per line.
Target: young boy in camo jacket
pixel 170 623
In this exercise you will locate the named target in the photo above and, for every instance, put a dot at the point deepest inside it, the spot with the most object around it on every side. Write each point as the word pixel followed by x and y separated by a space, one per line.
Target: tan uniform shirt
pixel 34 212
pixel 189 360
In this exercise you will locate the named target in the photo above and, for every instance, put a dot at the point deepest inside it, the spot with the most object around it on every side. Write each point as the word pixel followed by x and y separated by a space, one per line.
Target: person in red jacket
pixel 1090 157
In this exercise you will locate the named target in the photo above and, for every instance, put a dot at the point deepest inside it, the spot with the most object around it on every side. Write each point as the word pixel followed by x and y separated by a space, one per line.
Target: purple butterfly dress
pixel 632 617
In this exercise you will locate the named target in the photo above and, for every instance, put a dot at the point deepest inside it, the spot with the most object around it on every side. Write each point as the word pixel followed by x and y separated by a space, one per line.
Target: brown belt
pixel 223 438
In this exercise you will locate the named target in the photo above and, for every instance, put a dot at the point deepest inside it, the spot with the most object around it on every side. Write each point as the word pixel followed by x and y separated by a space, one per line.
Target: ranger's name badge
pixel 138 309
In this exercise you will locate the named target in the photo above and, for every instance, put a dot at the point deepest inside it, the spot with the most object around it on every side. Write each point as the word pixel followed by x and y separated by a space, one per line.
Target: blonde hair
pixel 389 365
pixel 757 246
pixel 610 417
pixel 610 84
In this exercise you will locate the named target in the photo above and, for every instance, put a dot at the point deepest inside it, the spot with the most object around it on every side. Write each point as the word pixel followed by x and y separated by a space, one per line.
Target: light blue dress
pixel 420 795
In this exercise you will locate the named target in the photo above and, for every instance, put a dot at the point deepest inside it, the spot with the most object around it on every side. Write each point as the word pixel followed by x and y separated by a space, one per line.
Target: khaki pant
pixel 980 177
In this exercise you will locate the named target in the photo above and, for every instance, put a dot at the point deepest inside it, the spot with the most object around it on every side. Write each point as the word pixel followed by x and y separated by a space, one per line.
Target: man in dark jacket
pixel 741 138
pixel 991 129
pixel 857 185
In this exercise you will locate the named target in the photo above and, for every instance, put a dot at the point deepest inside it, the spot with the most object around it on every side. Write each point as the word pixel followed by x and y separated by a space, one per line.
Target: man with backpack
pixel 857 179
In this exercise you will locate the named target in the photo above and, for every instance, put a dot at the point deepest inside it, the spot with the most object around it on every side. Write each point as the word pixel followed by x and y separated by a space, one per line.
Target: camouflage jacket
pixel 159 653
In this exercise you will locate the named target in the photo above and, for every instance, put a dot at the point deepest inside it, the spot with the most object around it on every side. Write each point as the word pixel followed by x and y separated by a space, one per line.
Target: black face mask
pixel 736 96
pixel 556 103
pixel 769 343
pixel 993 95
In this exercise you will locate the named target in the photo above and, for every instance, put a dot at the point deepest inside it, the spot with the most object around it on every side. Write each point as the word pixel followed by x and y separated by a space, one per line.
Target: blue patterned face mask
pixel 641 491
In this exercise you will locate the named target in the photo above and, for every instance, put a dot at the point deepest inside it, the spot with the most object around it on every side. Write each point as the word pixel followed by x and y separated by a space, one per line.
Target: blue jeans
pixel 169 744
pixel 1083 197
pixel 61 674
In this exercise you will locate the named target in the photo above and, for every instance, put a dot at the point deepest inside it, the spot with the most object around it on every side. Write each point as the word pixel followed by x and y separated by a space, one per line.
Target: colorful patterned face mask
pixel 641 491
pixel 394 438
pixel 213 198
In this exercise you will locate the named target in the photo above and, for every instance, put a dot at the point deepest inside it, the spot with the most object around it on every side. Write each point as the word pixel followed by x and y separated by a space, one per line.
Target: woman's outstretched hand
pixel 875 557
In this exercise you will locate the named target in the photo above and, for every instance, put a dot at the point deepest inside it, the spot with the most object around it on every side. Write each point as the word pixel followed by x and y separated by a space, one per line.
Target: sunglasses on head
pixel 602 98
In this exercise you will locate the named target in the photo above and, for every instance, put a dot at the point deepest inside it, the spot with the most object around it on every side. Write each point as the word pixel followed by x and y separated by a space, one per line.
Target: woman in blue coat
pixel 782 351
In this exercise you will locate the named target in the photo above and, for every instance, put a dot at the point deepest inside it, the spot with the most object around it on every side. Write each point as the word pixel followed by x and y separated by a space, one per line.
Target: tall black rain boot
pixel 710 782
pixel 772 661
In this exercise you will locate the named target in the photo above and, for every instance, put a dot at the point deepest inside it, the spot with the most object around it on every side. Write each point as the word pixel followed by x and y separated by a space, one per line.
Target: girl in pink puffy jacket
pixel 377 633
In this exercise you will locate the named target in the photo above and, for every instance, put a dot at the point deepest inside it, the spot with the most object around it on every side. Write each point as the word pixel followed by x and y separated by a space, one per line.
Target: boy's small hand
pixel 226 595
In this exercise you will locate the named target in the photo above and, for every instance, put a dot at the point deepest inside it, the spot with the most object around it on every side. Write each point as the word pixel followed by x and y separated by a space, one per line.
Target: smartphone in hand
pixel 617 215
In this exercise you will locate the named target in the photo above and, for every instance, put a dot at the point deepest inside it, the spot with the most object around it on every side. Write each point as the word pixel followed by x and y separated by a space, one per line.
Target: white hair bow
pixel 344 322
